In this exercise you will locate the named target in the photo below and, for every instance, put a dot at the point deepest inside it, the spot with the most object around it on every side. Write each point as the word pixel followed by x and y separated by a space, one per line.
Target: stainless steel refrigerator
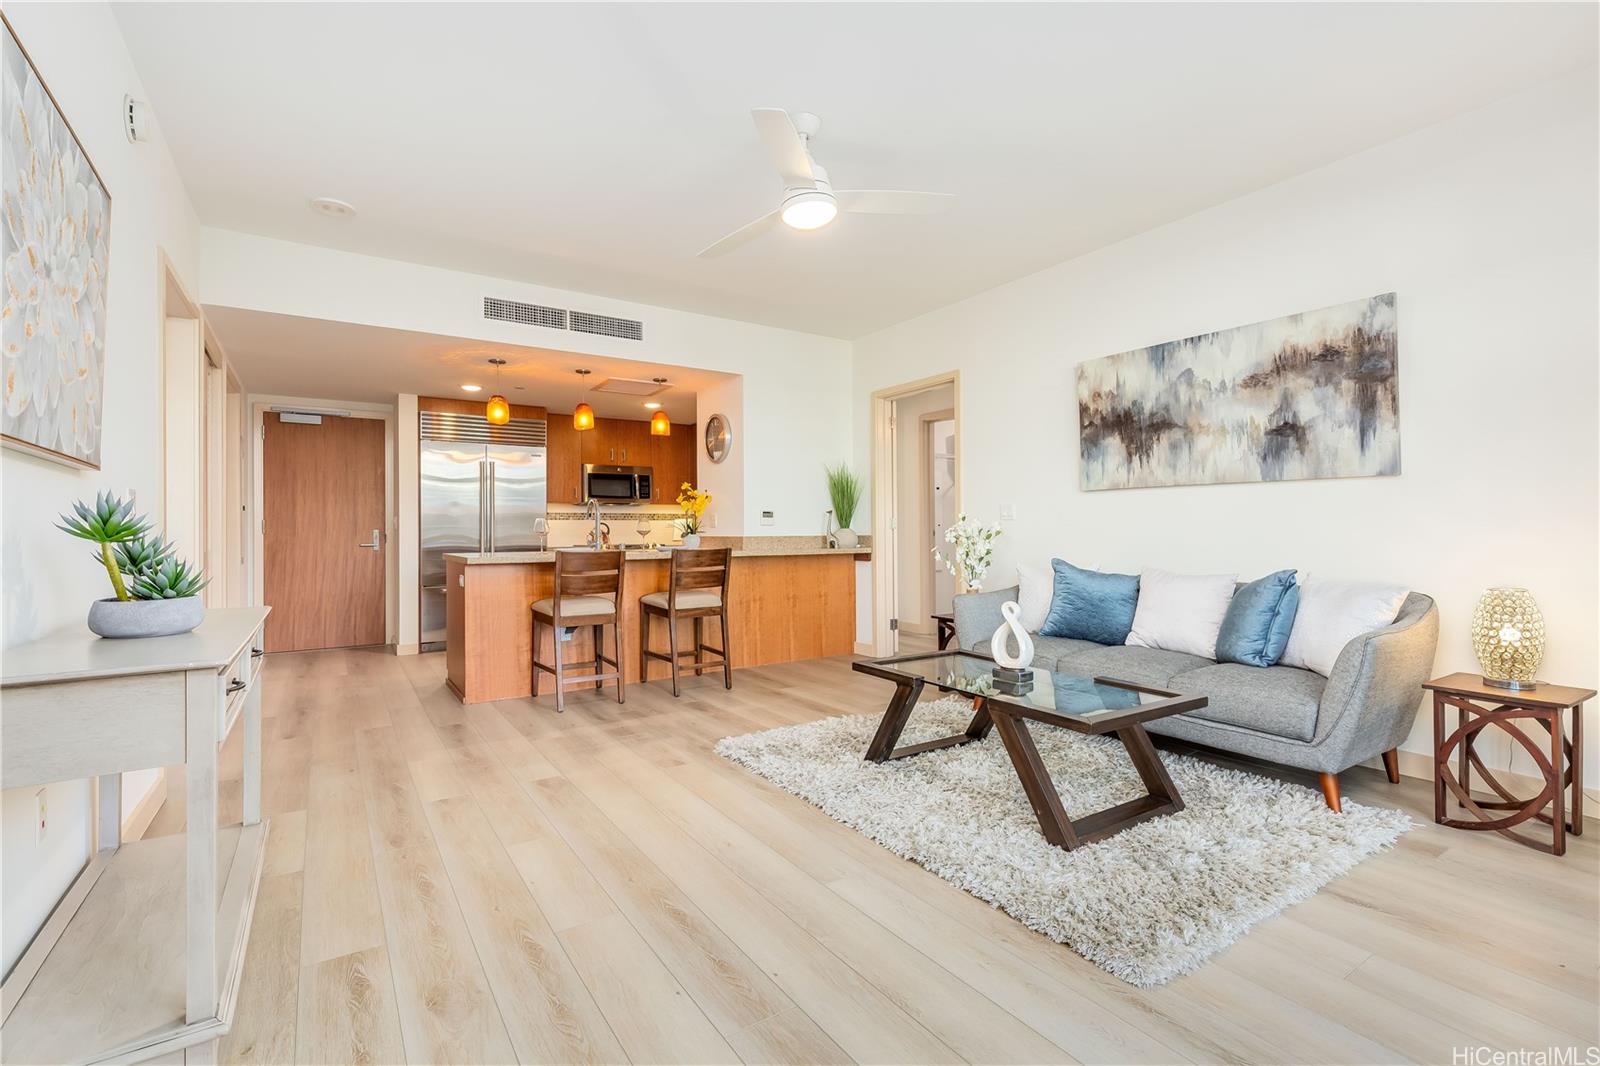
pixel 483 490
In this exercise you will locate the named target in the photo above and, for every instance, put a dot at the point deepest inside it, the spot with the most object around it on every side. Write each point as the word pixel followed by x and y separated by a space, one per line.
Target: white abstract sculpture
pixel 1000 646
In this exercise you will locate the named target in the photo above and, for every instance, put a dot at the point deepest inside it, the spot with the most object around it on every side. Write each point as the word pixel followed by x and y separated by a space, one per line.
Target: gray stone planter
pixel 145 618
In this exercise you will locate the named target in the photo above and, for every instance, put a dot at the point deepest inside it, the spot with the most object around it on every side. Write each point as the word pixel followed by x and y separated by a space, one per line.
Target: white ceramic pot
pixel 847 538
pixel 145 618
pixel 691 540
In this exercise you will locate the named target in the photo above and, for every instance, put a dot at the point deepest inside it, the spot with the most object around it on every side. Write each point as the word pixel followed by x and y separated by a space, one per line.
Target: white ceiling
pixel 598 147
pixel 284 355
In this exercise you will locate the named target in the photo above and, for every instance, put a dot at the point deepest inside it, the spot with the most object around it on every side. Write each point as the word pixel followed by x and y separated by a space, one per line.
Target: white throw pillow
pixel 1036 586
pixel 1332 614
pixel 1181 612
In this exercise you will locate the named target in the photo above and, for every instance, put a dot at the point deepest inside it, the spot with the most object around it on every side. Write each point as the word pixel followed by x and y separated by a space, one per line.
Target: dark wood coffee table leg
pixel 898 713
pixel 1064 832
pixel 1042 794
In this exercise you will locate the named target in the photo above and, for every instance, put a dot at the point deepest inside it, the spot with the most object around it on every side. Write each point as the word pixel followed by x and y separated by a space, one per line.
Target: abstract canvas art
pixel 54 242
pixel 1311 395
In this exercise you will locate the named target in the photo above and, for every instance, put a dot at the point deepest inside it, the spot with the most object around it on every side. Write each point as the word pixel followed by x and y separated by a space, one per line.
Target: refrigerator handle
pixel 492 491
pixel 482 506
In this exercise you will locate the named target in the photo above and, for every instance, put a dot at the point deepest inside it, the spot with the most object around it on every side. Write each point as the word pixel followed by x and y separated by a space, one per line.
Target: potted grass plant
pixel 157 594
pixel 844 491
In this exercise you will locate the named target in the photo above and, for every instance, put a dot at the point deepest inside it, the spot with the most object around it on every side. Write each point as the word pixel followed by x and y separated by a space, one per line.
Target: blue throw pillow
pixel 1256 628
pixel 1088 605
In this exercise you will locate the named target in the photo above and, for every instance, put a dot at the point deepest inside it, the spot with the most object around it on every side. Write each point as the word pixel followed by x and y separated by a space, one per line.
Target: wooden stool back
pixel 587 573
pixel 699 568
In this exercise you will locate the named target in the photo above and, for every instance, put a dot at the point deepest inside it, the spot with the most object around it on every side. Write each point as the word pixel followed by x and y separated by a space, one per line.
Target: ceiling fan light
pixel 809 210
pixel 660 425
pixel 583 417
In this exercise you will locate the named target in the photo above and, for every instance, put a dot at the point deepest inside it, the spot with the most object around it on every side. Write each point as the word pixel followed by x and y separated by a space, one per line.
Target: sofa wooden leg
pixel 1391 765
pixel 1330 791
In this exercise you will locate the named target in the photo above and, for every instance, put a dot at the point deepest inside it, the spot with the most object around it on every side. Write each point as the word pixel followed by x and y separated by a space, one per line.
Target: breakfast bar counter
pixel 787 601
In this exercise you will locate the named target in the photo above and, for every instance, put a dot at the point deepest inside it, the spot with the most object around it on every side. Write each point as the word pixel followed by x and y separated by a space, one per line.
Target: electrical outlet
pixel 40 817
pixel 1008 512
pixel 766 518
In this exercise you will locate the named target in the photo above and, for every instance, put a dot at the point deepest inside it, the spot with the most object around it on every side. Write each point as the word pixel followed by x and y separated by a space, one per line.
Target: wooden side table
pixel 947 629
pixel 1479 706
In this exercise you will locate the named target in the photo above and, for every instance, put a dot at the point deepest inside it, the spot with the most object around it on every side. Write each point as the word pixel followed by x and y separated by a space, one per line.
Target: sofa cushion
pixel 1144 666
pixel 1281 700
pixel 1049 651
pixel 1256 627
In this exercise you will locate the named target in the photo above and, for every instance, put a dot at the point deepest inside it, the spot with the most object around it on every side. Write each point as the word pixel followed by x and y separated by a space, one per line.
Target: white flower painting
pixel 54 245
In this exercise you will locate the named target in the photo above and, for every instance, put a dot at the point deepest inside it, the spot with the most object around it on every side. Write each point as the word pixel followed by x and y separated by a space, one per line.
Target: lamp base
pixel 1509 684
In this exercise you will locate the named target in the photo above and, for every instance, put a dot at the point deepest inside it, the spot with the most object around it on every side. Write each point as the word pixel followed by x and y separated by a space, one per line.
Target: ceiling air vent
pixel 626 328
pixel 498 310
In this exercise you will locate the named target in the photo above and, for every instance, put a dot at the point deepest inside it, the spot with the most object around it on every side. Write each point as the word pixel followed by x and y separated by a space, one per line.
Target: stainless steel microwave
pixel 616 484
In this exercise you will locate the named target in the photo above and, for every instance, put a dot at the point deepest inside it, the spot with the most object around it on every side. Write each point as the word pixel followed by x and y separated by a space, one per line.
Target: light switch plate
pixel 1008 512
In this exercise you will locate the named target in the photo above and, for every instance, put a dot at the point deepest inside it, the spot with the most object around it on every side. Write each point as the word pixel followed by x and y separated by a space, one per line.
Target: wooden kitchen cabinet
pixel 564 461
pixel 672 460
pixel 618 442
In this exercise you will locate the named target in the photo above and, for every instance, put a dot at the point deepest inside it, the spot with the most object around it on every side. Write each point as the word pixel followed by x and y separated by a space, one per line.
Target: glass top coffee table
pixel 1082 704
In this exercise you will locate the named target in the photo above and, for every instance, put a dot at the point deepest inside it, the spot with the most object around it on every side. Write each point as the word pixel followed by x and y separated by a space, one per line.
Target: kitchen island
pixel 787 601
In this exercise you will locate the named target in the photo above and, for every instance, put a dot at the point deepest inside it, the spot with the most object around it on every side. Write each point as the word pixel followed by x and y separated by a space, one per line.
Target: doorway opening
pixel 916 497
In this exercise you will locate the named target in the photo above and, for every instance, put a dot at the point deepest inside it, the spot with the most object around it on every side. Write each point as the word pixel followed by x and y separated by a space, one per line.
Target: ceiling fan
pixel 809 200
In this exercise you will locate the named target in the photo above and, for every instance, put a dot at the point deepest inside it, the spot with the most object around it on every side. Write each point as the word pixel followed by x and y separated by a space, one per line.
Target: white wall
pixel 1484 225
pixel 797 383
pixel 47 576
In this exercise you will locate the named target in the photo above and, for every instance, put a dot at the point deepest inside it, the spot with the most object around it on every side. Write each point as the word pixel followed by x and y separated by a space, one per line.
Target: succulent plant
pixel 170 580
pixel 135 558
pixel 110 521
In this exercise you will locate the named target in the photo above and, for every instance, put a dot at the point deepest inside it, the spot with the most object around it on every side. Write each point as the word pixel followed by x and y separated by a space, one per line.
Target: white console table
pixel 141 959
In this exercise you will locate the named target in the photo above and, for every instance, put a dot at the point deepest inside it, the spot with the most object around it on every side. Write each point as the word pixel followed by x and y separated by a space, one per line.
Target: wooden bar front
pixel 782 608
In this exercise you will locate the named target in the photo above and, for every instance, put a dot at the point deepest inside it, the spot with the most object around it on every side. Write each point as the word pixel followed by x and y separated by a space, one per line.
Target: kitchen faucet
pixel 602 530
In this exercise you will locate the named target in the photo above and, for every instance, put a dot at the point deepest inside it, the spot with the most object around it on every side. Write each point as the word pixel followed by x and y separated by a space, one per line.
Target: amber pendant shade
pixel 660 425
pixel 583 417
pixel 497 411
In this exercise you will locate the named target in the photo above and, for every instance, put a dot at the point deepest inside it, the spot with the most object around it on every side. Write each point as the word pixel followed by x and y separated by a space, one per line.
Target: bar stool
pixel 697 587
pixel 588 592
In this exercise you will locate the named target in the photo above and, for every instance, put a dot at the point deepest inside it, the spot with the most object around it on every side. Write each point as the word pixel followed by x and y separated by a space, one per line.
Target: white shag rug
pixel 1147 904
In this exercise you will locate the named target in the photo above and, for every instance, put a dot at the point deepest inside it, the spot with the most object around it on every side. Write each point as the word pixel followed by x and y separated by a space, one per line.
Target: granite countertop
pixel 478 558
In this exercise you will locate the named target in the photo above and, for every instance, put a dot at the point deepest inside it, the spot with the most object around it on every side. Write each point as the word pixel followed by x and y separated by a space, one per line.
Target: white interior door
pixel 942 491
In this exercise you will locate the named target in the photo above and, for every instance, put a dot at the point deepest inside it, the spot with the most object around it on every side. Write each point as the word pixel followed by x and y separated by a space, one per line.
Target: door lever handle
pixel 376 543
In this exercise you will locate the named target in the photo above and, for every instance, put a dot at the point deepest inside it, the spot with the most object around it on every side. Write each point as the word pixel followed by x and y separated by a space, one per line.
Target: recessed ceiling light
pixel 651 406
pixel 472 388
pixel 327 205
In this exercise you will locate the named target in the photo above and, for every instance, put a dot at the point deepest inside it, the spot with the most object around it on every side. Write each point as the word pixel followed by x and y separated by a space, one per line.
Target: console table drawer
pixel 81 729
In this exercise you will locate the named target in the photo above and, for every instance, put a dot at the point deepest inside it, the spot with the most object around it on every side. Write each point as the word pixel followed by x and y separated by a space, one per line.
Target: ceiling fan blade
pixel 785 149
pixel 894 202
pixel 742 235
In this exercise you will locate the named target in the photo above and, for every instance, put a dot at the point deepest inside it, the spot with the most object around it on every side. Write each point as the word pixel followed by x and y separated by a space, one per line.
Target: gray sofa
pixel 1277 713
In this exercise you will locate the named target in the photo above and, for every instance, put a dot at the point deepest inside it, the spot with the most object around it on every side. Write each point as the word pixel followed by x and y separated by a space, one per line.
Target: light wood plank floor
pixel 499 883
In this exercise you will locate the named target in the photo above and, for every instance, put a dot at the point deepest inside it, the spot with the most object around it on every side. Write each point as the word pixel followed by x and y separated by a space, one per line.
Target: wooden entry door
pixel 322 500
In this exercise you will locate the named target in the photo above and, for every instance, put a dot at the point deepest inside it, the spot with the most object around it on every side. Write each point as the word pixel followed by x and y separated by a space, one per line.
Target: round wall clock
pixel 719 438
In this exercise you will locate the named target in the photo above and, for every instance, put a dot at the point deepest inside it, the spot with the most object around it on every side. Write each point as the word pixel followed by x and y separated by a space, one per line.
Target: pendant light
pixel 660 424
pixel 583 414
pixel 497 411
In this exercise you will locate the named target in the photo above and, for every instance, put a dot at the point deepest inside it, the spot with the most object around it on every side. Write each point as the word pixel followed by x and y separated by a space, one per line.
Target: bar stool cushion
pixel 574 607
pixel 689 600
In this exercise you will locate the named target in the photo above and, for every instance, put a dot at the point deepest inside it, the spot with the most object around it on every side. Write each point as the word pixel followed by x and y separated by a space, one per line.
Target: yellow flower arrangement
pixel 693 502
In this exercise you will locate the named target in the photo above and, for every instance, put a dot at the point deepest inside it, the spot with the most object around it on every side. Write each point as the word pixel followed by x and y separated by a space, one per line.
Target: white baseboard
pixel 406 649
pixel 863 648
pixel 144 812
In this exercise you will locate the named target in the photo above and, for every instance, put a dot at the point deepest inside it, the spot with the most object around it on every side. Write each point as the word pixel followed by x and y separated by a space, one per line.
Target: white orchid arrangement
pixel 974 551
